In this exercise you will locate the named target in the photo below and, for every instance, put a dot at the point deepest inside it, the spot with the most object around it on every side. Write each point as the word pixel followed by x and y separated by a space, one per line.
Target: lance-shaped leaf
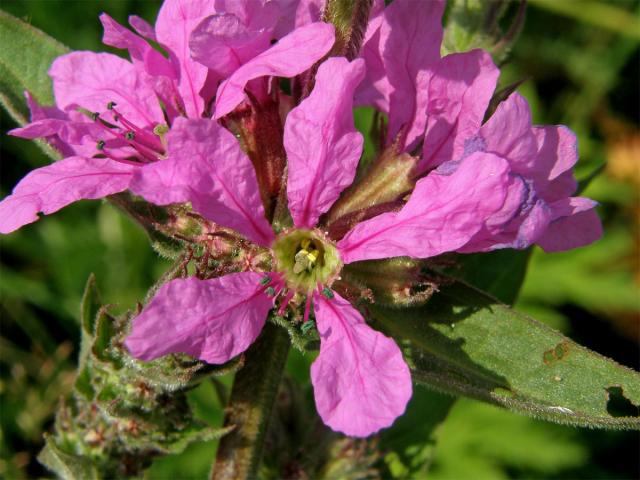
pixel 66 465
pixel 465 342
pixel 25 57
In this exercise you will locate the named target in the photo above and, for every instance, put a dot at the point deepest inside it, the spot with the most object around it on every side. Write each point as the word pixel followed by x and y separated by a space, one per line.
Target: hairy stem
pixel 252 399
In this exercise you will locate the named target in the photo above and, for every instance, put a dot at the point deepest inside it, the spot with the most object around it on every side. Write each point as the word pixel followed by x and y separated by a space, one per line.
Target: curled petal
pixel 557 154
pixel 575 224
pixel 322 144
pixel 118 36
pixel 292 55
pixel 142 27
pixel 459 93
pixel 207 168
pixel 50 188
pixel 213 320
pixel 508 133
pixel 443 213
pixel 360 380
pixel 92 80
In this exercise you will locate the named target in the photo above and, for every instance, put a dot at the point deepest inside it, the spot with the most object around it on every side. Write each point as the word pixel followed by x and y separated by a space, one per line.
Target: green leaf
pixel 67 466
pixel 105 330
pixel 412 439
pixel 90 305
pixel 25 58
pixel 499 273
pixel 466 342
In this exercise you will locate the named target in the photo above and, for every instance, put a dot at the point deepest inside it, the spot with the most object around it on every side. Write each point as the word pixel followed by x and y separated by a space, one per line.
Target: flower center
pixel 306 259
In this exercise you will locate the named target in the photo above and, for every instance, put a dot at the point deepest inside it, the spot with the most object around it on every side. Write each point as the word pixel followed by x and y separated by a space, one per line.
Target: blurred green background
pixel 581 63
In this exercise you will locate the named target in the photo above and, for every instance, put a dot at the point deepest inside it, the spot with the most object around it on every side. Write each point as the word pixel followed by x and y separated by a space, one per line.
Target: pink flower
pixel 112 115
pixel 360 380
pixel 437 105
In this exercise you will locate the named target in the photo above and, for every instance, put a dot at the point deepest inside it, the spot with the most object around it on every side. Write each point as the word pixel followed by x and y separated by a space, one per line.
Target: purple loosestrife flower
pixel 437 106
pixel 360 380
pixel 112 115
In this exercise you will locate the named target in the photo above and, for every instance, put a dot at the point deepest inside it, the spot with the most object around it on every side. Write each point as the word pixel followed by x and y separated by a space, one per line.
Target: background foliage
pixel 581 66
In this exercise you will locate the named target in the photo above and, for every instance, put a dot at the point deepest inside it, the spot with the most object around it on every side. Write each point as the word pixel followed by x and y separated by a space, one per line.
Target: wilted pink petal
pixel 576 224
pixel 206 167
pixel 442 214
pixel 150 59
pixel 50 188
pixel 360 381
pixel 213 320
pixel 322 144
pixel 292 55
pixel 410 37
pixel 92 80
pixel 459 93
pixel 176 20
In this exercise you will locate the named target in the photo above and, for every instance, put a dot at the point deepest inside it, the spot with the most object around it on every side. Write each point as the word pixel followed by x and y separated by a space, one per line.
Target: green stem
pixel 252 399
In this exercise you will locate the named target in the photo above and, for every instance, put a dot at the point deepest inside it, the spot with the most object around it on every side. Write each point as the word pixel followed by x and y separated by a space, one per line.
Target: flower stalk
pixel 250 407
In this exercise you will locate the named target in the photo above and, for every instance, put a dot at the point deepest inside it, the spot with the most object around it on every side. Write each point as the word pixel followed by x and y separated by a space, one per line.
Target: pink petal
pixel 50 188
pixel 141 52
pixel 176 20
pixel 576 224
pixel 443 213
pixel 232 41
pixel 508 133
pixel 375 89
pixel 557 154
pixel 207 168
pixel 292 55
pixel 92 80
pixel 40 114
pixel 213 320
pixel 518 224
pixel 410 38
pixel 322 144
pixel 360 380
pixel 142 27
pixel 459 93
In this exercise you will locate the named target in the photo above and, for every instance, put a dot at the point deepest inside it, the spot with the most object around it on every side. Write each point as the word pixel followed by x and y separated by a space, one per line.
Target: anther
pixel 100 145
pixel 326 291
pixel 306 326
pixel 130 135
pixel 265 280
pixel 270 291
pixel 95 116
pixel 110 105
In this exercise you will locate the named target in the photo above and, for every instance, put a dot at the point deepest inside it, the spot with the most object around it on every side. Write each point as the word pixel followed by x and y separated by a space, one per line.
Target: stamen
pixel 265 280
pixel 270 291
pixel 110 105
pixel 326 291
pixel 100 145
pixel 147 139
pixel 285 301
pixel 306 326
pixel 119 159
pixel 307 308
pixel 149 154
